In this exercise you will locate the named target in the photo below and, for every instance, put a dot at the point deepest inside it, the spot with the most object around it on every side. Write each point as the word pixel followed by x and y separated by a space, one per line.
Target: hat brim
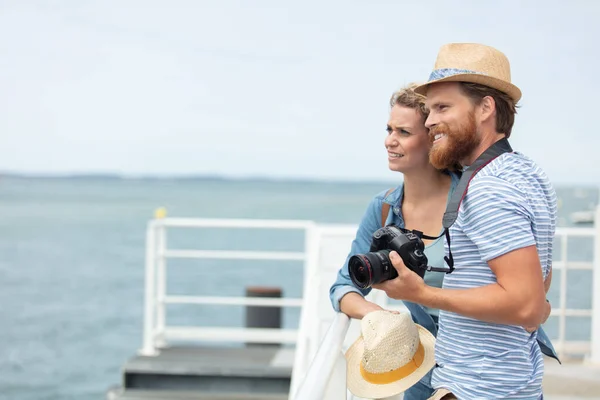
pixel 503 86
pixel 361 388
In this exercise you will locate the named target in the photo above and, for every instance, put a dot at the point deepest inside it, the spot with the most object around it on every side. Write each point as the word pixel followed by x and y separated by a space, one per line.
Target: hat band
pixel 446 72
pixel 397 374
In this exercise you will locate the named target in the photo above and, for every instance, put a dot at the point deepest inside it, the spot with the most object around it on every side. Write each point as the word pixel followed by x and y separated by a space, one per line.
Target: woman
pixel 419 203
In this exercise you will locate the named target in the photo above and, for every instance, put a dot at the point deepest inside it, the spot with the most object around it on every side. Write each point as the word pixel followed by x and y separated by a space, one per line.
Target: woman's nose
pixel 390 141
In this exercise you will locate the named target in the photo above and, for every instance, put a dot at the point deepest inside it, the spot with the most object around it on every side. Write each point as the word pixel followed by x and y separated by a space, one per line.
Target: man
pixel 501 240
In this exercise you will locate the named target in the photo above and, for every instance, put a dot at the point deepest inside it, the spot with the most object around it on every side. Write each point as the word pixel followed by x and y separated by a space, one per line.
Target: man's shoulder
pixel 514 170
pixel 516 182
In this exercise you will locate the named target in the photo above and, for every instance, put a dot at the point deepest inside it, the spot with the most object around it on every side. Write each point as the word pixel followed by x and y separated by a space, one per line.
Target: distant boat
pixel 582 217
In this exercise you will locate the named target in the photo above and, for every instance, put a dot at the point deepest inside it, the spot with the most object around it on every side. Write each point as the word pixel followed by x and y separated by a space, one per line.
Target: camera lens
pixel 360 271
pixel 368 269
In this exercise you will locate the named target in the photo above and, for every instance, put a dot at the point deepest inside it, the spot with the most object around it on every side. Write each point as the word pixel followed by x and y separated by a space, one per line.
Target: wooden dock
pixel 217 373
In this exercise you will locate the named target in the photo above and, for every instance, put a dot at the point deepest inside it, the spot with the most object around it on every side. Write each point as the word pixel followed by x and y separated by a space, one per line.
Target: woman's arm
pixel 356 306
pixel 344 296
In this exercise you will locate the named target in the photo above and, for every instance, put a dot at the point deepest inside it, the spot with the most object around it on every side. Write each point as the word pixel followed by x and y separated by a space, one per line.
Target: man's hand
pixel 407 286
pixel 548 306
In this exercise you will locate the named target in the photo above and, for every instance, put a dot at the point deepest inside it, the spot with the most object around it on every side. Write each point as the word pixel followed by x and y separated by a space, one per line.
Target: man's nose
pixel 431 120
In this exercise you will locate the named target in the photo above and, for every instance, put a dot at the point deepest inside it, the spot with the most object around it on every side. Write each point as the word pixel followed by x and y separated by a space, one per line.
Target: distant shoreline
pixel 198 178
pixel 221 178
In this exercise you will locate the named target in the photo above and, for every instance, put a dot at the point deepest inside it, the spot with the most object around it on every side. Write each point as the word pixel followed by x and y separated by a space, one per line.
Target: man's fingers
pixel 397 261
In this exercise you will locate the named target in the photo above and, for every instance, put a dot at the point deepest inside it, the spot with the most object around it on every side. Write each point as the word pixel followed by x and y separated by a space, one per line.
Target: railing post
pixel 161 283
pixel 328 364
pixel 562 317
pixel 303 344
pixel 148 348
pixel 337 387
pixel 595 339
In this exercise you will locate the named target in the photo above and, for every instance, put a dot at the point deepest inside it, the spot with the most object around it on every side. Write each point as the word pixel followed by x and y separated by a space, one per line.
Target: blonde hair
pixel 407 97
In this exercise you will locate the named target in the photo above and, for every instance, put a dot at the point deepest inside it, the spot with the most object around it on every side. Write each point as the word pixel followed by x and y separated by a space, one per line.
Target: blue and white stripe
pixel 510 204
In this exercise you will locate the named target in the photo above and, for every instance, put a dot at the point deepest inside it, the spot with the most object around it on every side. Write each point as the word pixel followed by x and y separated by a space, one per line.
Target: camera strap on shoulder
pixel 500 147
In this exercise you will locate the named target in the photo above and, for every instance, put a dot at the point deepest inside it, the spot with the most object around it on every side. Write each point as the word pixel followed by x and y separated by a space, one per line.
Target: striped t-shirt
pixel 510 204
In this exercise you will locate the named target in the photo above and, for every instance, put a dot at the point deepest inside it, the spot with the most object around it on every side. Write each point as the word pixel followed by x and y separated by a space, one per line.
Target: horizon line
pixel 218 177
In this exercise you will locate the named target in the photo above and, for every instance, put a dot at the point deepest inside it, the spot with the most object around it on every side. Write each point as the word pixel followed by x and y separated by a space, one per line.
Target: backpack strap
pixel 385 209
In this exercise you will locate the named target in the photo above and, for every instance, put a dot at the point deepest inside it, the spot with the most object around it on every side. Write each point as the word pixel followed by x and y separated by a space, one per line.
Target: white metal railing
pixel 595 350
pixel 561 268
pixel 327 370
pixel 156 331
pixel 326 376
pixel 327 366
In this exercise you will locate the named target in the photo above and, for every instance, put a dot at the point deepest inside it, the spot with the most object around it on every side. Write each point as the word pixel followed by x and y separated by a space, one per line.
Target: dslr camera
pixel 375 266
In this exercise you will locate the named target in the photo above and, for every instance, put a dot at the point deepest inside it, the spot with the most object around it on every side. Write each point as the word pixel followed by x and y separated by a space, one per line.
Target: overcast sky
pixel 274 88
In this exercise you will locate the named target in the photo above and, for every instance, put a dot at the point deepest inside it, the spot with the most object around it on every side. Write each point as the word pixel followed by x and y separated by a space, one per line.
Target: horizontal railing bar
pixel 236 255
pixel 241 301
pixel 303 224
pixel 579 265
pixel 253 335
pixel 232 223
pixel 571 312
pixel 568 231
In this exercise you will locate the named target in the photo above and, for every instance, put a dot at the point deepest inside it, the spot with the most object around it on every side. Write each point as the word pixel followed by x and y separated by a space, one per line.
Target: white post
pixel 161 283
pixel 327 365
pixel 309 301
pixel 337 386
pixel 562 318
pixel 149 301
pixel 595 340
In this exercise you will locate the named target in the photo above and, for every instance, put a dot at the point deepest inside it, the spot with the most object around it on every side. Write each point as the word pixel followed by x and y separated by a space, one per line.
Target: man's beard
pixel 460 142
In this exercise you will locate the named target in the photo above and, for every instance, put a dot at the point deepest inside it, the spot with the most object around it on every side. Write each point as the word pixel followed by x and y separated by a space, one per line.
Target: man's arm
pixel 518 297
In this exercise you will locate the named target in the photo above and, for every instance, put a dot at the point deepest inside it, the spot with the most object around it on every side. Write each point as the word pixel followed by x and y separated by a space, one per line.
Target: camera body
pixel 375 266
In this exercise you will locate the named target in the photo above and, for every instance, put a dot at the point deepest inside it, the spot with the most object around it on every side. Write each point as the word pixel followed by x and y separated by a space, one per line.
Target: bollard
pixel 263 316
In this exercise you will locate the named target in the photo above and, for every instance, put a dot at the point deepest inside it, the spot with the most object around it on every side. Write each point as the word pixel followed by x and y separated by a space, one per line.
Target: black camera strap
pixel 500 147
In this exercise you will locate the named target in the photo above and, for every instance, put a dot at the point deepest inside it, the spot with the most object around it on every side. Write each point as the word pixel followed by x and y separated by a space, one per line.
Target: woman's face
pixel 407 141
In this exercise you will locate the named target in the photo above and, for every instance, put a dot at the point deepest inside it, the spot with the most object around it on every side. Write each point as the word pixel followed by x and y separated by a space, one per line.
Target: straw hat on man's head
pixel 472 62
pixel 392 354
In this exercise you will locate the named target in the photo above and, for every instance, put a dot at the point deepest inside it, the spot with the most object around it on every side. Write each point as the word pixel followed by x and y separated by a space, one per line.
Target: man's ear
pixel 487 108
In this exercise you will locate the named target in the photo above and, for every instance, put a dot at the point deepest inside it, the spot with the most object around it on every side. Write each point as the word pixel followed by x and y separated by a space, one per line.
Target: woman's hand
pixel 356 306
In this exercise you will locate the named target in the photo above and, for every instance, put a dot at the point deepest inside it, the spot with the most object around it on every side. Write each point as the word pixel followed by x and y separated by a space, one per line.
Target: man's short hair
pixel 505 105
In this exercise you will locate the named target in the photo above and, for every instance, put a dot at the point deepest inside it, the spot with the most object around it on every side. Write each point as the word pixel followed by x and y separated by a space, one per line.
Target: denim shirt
pixel 371 221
